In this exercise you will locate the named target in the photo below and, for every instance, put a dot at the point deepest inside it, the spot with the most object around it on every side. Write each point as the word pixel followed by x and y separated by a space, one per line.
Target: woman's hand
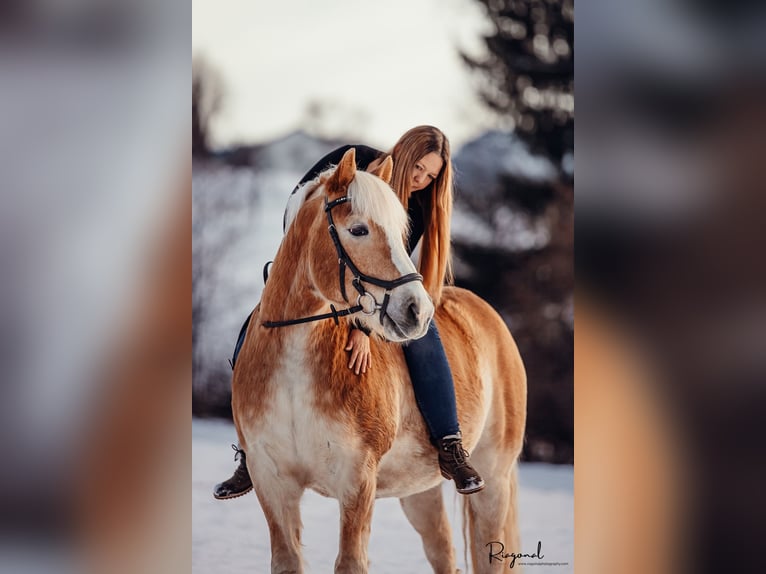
pixel 359 345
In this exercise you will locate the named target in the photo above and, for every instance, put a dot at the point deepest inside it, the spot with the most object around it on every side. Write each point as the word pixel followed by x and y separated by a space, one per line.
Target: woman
pixel 422 178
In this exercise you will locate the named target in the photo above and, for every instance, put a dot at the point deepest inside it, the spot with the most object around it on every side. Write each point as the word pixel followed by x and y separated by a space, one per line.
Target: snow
pixel 480 161
pixel 232 536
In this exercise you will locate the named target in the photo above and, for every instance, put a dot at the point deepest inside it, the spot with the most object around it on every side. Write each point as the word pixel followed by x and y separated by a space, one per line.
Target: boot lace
pixel 239 453
pixel 457 453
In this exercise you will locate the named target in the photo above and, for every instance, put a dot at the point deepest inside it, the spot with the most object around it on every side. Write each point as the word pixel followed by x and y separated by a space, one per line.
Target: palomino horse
pixel 306 420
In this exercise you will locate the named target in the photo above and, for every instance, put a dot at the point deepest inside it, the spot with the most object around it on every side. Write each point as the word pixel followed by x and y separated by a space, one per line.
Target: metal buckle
pixel 375 305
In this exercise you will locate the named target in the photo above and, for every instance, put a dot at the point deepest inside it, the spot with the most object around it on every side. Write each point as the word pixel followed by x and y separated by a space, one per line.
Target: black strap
pixel 266 271
pixel 328 205
pixel 384 306
pixel 240 340
pixel 342 257
pixel 334 314
pixel 342 271
pixel 345 261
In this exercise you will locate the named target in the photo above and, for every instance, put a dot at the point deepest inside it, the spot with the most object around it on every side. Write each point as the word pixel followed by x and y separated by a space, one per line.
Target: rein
pixel 344 261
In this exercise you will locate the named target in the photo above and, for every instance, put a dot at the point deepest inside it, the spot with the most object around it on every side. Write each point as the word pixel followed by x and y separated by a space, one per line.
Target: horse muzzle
pixel 408 313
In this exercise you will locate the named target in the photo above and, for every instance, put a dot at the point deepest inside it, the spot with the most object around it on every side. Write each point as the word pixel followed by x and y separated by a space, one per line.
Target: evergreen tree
pixel 528 71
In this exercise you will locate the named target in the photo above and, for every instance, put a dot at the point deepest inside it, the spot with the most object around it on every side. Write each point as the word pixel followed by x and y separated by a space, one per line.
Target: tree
pixel 526 77
pixel 528 73
pixel 207 99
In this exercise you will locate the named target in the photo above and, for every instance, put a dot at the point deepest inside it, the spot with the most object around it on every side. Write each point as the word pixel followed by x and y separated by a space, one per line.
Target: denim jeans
pixel 432 383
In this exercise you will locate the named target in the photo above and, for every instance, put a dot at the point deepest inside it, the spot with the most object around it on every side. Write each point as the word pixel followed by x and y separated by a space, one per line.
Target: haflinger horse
pixel 306 420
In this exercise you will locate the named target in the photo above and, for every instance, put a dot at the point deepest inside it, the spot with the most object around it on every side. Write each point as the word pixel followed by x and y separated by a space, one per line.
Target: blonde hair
pixel 435 260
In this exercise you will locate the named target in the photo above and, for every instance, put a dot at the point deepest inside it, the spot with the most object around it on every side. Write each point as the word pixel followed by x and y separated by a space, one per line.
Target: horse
pixel 306 421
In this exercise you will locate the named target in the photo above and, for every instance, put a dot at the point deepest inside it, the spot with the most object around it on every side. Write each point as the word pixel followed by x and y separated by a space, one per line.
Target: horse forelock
pixel 372 198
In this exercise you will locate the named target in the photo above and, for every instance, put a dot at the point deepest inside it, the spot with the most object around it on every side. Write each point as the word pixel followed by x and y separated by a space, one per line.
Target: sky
pixel 378 68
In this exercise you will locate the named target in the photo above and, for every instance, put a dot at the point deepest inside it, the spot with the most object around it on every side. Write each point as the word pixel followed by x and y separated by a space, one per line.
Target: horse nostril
pixel 414 311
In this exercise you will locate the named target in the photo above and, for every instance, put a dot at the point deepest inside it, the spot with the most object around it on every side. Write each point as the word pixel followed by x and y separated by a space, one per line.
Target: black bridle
pixel 344 261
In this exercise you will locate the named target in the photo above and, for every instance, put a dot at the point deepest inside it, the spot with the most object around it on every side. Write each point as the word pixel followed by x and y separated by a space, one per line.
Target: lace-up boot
pixel 454 465
pixel 239 483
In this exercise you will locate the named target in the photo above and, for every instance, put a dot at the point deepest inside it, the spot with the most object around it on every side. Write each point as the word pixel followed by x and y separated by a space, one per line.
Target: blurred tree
pixel 533 291
pixel 526 77
pixel 528 73
pixel 223 201
pixel 207 99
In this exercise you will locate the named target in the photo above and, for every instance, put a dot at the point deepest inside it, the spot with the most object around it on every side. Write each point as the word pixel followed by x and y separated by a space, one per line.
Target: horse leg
pixel 280 500
pixel 491 517
pixel 355 522
pixel 427 514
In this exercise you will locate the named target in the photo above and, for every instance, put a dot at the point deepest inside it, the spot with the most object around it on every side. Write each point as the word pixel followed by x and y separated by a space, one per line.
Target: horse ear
pixel 344 173
pixel 385 169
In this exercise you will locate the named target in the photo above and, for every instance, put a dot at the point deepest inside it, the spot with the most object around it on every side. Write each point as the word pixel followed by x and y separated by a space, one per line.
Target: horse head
pixel 362 259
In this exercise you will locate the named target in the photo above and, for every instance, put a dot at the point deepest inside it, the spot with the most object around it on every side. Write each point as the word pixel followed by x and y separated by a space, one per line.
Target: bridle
pixel 364 296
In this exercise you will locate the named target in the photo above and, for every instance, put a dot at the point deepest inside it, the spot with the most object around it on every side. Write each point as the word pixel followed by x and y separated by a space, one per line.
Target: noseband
pixel 345 261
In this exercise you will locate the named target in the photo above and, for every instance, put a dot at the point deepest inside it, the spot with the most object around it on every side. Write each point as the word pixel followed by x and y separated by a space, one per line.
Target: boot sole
pixel 465 490
pixel 472 490
pixel 235 495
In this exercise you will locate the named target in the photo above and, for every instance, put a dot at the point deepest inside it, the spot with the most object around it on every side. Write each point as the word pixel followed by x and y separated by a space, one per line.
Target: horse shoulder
pixel 256 364
pixel 368 403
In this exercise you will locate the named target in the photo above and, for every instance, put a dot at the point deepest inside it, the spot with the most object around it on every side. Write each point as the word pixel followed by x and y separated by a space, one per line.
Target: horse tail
pixel 470 516
pixel 511 517
pixel 467 529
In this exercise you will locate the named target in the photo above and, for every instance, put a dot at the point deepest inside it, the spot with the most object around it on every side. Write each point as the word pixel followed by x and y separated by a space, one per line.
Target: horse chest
pixel 299 439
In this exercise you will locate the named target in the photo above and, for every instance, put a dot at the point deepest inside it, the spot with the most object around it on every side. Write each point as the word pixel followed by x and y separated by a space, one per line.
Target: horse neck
pixel 289 292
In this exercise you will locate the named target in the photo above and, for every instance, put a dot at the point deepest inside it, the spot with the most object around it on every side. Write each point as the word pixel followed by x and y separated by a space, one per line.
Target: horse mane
pixel 370 197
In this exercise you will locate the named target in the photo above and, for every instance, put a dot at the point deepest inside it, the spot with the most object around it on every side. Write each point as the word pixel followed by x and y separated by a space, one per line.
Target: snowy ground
pixel 232 537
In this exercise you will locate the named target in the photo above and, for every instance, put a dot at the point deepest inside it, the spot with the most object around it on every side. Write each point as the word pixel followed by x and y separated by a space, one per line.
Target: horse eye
pixel 358 230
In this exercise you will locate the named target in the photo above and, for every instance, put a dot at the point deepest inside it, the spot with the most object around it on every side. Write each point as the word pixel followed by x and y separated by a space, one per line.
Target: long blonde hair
pixel 435 259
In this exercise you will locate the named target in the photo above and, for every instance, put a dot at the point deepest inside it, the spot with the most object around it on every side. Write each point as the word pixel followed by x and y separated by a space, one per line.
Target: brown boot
pixel 239 483
pixel 453 463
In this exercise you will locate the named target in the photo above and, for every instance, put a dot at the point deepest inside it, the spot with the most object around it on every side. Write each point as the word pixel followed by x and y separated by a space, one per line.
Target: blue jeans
pixel 432 383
